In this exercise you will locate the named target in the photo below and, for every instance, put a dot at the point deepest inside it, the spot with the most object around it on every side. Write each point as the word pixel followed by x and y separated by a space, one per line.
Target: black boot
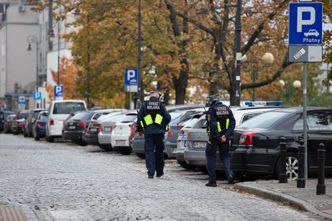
pixel 212 184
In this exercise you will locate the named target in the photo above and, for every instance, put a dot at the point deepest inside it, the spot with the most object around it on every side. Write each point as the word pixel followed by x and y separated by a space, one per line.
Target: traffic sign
pixel 58 90
pixel 37 95
pixel 305 53
pixel 21 100
pixel 131 80
pixel 305 23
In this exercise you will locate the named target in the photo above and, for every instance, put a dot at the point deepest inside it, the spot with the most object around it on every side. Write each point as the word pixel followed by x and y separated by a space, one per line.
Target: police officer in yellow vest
pixel 153 119
pixel 220 126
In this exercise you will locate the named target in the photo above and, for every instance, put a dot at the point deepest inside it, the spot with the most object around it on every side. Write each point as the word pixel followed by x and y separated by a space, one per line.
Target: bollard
pixel 320 189
pixel 283 150
pixel 300 179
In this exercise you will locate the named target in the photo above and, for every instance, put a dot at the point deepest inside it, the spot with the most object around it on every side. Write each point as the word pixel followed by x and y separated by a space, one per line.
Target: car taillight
pixel 39 123
pixel 51 122
pixel 132 130
pixel 181 132
pixel 170 133
pixel 81 124
pixel 246 138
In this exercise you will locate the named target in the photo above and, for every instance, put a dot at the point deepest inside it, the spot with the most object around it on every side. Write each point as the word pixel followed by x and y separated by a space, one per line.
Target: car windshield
pixel 176 114
pixel 82 116
pixel 22 115
pixel 68 107
pixel 129 118
pixel 265 120
pixel 190 123
pixel 43 117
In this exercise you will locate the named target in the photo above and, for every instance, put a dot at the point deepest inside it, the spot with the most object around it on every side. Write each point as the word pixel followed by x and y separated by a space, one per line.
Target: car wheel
pixel 292 166
pixel 36 137
pixel 49 139
pixel 185 165
pixel 125 150
pixel 141 155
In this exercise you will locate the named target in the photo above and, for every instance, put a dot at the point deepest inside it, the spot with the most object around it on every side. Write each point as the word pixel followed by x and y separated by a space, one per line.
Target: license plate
pixel 93 129
pixel 71 127
pixel 120 142
pixel 107 129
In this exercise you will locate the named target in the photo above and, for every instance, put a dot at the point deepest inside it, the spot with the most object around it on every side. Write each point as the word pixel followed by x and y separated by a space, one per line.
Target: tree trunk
pixel 180 85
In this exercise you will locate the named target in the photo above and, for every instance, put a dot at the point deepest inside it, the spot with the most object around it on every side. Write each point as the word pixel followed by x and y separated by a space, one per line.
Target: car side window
pixel 321 121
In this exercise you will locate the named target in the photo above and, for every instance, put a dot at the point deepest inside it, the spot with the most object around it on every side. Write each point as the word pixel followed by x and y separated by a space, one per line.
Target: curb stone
pixel 259 190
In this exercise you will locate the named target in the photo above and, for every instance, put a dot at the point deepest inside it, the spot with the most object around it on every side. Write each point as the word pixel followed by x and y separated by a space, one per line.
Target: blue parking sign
pixel 37 95
pixel 305 23
pixel 131 80
pixel 131 76
pixel 58 90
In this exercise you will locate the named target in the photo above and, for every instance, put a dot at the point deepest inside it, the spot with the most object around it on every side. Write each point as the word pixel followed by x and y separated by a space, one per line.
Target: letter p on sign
pixel 131 75
pixel 301 21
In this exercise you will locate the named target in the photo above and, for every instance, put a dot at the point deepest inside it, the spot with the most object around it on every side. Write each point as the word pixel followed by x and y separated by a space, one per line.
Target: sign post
pixel 131 83
pixel 58 92
pixel 305 45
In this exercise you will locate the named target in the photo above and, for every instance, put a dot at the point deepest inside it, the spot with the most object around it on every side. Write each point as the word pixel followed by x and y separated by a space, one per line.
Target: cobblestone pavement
pixel 63 181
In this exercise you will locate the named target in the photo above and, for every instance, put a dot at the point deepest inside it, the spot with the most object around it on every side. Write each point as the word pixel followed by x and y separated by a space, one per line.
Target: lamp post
pixel 32 39
pixel 267 58
pixel 139 52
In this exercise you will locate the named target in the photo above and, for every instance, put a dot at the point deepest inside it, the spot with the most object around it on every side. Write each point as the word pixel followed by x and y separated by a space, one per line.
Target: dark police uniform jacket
pixel 153 117
pixel 220 121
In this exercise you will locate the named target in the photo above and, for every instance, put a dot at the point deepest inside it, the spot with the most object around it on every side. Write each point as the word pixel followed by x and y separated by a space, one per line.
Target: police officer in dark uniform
pixel 220 126
pixel 153 119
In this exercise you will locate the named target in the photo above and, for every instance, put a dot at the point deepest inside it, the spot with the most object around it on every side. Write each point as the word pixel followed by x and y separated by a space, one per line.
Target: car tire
pixel 50 139
pixel 125 150
pixel 292 166
pixel 141 155
pixel 36 137
pixel 186 166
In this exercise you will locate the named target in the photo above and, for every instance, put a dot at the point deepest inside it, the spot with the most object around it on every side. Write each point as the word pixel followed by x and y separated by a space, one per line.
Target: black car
pixel 30 121
pixel 74 126
pixel 90 134
pixel 9 120
pixel 3 118
pixel 256 149
pixel 39 127
pixel 18 124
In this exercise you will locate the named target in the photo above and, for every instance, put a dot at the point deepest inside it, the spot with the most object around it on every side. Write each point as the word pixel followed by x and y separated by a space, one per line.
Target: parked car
pixel 106 126
pixel 39 127
pixel 3 117
pixel 18 124
pixel 30 121
pixel 137 143
pixel 123 132
pixel 256 147
pixel 74 126
pixel 7 126
pixel 58 111
pixel 174 127
pixel 194 153
pixel 182 140
pixel 90 134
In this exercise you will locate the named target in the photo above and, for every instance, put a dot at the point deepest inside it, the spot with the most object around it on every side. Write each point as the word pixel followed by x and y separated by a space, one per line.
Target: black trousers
pixel 154 153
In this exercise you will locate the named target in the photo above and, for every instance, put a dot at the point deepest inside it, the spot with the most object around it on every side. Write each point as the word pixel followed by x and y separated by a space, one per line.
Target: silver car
pixel 106 126
pixel 194 154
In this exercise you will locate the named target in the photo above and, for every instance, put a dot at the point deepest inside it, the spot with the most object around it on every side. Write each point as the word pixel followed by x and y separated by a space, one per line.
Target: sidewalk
pixel 16 213
pixel 287 193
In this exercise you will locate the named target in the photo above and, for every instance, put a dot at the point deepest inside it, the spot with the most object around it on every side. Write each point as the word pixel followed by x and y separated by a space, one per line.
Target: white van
pixel 58 111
